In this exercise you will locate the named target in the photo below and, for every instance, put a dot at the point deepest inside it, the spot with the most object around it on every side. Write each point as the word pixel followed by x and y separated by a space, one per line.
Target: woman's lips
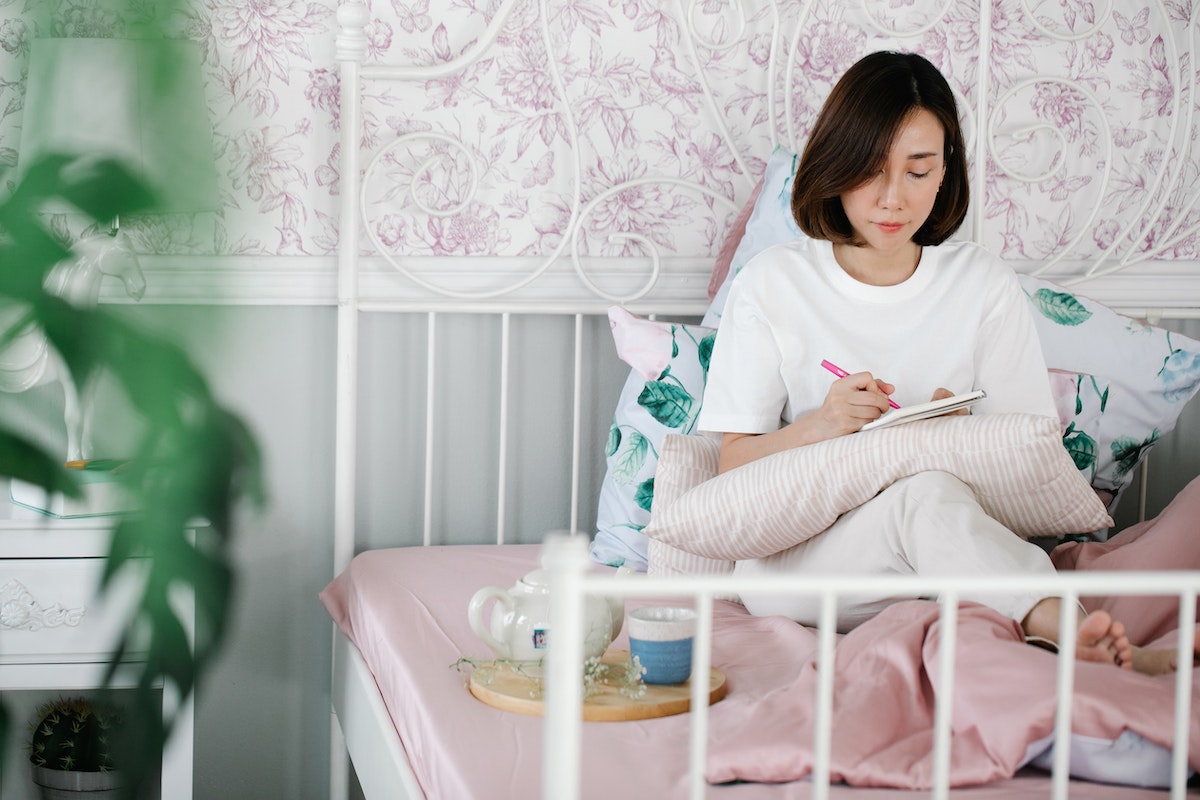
pixel 889 227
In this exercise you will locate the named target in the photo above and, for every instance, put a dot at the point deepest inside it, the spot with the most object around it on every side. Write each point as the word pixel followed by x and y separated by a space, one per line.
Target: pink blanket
pixel 1004 699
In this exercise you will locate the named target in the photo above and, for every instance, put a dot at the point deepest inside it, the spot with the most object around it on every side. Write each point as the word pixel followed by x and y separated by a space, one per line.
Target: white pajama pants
pixel 927 524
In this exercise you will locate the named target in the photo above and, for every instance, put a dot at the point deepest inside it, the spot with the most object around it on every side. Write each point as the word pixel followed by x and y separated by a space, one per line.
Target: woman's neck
pixel 875 268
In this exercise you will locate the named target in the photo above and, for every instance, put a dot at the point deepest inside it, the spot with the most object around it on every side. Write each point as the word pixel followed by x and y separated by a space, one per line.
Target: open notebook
pixel 924 410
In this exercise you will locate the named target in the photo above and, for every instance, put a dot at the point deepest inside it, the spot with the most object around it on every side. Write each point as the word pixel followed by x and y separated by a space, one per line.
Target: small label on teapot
pixel 539 638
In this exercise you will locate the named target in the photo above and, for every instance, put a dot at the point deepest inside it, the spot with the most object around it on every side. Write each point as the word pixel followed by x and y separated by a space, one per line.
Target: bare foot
pixel 1158 662
pixel 1102 639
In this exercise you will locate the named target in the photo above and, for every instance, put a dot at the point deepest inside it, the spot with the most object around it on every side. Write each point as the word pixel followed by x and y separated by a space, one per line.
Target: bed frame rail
pixel 566 558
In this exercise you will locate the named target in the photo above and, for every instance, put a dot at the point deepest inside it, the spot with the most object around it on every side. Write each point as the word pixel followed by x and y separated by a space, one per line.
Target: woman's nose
pixel 889 192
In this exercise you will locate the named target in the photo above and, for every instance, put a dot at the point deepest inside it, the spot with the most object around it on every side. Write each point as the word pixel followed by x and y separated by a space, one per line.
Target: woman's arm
pixel 852 402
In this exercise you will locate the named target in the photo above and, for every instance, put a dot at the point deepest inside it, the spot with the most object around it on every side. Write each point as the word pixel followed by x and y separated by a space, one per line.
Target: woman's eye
pixel 919 174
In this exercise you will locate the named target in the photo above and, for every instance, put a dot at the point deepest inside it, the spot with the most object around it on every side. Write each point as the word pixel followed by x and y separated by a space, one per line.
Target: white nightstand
pixel 56 635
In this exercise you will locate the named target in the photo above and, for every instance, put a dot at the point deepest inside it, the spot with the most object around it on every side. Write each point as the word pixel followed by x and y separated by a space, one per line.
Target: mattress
pixel 404 609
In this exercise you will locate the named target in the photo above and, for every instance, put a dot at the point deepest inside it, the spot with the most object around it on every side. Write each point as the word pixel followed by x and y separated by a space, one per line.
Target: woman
pixel 881 186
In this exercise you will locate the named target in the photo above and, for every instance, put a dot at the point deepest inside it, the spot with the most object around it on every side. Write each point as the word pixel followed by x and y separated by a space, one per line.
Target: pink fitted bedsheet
pixel 405 611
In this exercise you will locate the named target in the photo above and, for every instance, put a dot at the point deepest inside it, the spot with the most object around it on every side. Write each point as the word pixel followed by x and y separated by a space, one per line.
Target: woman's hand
pixel 942 393
pixel 852 402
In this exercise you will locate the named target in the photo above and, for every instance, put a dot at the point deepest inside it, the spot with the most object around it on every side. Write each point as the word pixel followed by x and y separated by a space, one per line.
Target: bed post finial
pixel 565 550
pixel 351 43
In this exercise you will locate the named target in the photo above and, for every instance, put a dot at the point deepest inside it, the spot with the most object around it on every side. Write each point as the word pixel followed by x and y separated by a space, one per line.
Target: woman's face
pixel 888 210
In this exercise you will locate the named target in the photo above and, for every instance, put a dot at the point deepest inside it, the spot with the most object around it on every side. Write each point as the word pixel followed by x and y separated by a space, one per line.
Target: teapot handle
pixel 475 617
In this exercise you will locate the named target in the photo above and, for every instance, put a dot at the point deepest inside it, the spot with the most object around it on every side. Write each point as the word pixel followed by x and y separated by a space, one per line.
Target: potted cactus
pixel 71 749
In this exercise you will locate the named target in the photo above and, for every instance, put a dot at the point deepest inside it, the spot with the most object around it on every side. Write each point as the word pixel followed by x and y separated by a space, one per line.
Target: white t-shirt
pixel 961 321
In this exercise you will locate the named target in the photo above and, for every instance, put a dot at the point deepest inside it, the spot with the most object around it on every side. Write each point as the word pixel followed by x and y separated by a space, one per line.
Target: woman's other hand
pixel 941 393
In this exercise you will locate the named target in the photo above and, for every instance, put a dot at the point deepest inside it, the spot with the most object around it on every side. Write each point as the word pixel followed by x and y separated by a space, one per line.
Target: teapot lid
pixel 537 577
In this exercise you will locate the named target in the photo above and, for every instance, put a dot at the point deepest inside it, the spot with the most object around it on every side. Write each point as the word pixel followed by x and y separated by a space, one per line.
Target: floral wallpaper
pixel 264 66
pixel 1081 120
pixel 636 126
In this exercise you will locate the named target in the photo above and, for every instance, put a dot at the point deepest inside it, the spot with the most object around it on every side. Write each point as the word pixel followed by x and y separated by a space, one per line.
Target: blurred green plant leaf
pixel 194 463
pixel 26 461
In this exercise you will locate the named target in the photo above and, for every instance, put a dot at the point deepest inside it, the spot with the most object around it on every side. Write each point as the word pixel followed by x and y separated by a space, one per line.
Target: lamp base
pixel 103 495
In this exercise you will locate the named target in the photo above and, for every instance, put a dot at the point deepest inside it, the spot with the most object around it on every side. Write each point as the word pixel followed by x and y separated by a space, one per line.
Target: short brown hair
pixel 854 132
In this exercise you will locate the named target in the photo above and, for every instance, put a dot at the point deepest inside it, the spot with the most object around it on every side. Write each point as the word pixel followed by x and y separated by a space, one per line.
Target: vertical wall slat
pixel 577 423
pixel 502 434
pixel 430 419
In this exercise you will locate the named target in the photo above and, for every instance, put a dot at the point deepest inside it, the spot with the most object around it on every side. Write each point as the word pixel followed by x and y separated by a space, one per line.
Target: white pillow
pixel 1015 463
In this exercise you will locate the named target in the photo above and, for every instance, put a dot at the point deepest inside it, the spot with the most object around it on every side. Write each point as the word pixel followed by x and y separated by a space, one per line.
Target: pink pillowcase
pixel 730 245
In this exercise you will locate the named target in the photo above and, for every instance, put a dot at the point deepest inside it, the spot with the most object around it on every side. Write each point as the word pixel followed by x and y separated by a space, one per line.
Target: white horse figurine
pixel 27 360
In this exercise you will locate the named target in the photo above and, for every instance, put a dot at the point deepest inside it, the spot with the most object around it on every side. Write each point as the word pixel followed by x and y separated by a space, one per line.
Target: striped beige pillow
pixel 684 463
pixel 1015 463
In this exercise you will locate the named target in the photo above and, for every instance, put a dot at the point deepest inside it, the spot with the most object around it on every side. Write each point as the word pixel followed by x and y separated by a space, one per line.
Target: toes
pixel 1094 628
pixel 1123 652
pixel 1101 638
pixel 1125 658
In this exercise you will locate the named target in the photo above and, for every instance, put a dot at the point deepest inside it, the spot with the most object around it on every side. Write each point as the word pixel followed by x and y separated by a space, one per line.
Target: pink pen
pixel 841 373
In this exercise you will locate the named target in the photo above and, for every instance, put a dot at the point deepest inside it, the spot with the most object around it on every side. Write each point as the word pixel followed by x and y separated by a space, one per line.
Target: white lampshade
pixel 138 100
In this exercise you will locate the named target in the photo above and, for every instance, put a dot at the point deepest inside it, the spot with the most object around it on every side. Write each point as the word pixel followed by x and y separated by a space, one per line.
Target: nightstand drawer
pixel 50 612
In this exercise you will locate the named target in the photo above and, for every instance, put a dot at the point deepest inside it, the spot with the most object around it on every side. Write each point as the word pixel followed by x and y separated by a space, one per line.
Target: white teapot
pixel 520 621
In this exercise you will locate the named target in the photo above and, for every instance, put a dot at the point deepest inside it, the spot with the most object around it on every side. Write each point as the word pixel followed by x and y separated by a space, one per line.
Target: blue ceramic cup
pixel 660 638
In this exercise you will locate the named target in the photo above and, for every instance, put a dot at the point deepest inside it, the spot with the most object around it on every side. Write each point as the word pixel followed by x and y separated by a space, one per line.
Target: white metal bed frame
pixel 567 561
pixel 673 286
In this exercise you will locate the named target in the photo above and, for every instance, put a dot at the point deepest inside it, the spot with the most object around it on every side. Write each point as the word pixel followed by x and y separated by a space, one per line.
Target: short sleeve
pixel 745 392
pixel 1008 355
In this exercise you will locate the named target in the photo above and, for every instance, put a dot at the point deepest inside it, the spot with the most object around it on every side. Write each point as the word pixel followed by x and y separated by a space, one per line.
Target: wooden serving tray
pixel 504 688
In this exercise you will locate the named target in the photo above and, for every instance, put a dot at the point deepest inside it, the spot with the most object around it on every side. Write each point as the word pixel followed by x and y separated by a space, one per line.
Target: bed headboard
pixel 547 158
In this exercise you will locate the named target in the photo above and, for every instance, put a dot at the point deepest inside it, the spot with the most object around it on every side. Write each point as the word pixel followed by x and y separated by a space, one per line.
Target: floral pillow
pixel 662 395
pixel 1119 384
